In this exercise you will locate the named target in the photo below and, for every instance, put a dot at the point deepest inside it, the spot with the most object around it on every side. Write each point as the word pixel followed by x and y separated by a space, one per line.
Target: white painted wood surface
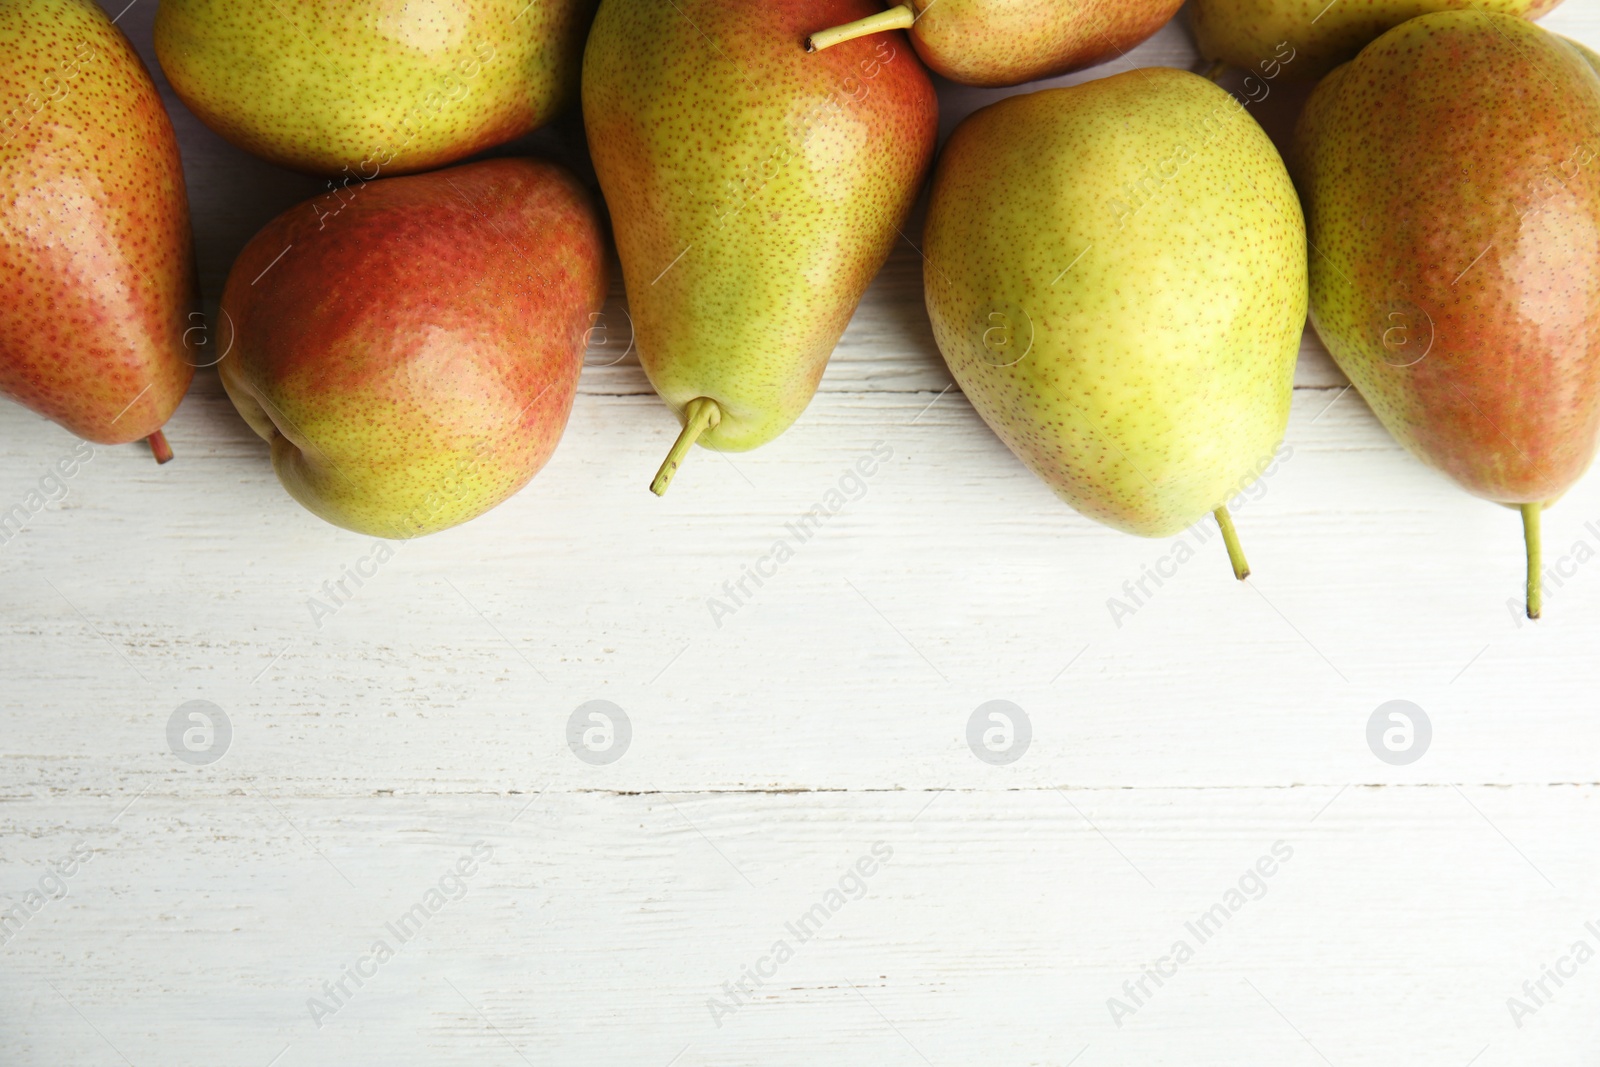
pixel 770 753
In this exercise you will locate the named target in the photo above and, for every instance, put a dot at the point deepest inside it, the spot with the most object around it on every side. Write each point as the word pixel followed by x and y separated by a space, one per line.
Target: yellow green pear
pixel 754 192
pixel 1319 34
pixel 1589 55
pixel 1008 42
pixel 369 87
pixel 1116 274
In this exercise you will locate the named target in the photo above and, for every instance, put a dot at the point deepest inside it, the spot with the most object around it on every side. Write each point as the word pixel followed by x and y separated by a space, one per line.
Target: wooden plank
pixel 940 586
pixel 1174 739
pixel 991 927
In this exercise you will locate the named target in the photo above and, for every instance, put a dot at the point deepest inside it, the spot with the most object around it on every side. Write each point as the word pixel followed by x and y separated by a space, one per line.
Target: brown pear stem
pixel 896 18
pixel 1241 567
pixel 1530 534
pixel 159 447
pixel 699 415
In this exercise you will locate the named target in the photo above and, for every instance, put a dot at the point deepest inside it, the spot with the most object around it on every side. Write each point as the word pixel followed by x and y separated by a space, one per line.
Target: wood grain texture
pixel 772 746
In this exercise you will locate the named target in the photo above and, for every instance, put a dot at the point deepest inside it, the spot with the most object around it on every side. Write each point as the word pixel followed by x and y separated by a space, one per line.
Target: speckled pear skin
pixel 414 362
pixel 755 189
pixel 1246 33
pixel 382 87
pixel 1445 216
pixel 1116 276
pixel 96 260
pixel 1590 55
pixel 1008 42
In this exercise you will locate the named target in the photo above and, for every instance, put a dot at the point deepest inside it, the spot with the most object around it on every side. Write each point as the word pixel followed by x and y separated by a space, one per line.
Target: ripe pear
pixel 1457 275
pixel 754 192
pixel 1116 276
pixel 1008 42
pixel 95 247
pixel 1589 55
pixel 370 87
pixel 1319 35
pixel 413 361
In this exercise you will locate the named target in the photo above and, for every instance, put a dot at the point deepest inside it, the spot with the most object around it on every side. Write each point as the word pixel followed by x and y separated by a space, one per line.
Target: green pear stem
pixel 1215 71
pixel 896 18
pixel 1530 534
pixel 1241 567
pixel 699 415
pixel 159 447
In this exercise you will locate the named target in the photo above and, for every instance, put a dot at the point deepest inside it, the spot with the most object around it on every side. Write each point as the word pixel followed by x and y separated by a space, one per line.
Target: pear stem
pixel 1214 72
pixel 1241 567
pixel 896 18
pixel 1530 534
pixel 699 415
pixel 159 447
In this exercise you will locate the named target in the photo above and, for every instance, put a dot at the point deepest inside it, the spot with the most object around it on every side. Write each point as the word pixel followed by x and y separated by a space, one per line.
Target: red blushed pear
pixel 1318 34
pixel 1451 177
pixel 96 260
pixel 1008 42
pixel 413 360
pixel 1589 55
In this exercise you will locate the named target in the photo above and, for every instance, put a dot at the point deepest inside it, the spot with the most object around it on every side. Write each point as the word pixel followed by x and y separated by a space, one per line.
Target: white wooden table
pixel 821 725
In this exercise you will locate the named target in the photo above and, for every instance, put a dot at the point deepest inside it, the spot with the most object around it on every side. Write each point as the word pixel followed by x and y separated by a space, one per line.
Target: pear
pixel 413 361
pixel 1589 55
pixel 1116 277
pixel 95 245
pixel 754 192
pixel 359 88
pixel 1457 270
pixel 1316 35
pixel 1008 42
